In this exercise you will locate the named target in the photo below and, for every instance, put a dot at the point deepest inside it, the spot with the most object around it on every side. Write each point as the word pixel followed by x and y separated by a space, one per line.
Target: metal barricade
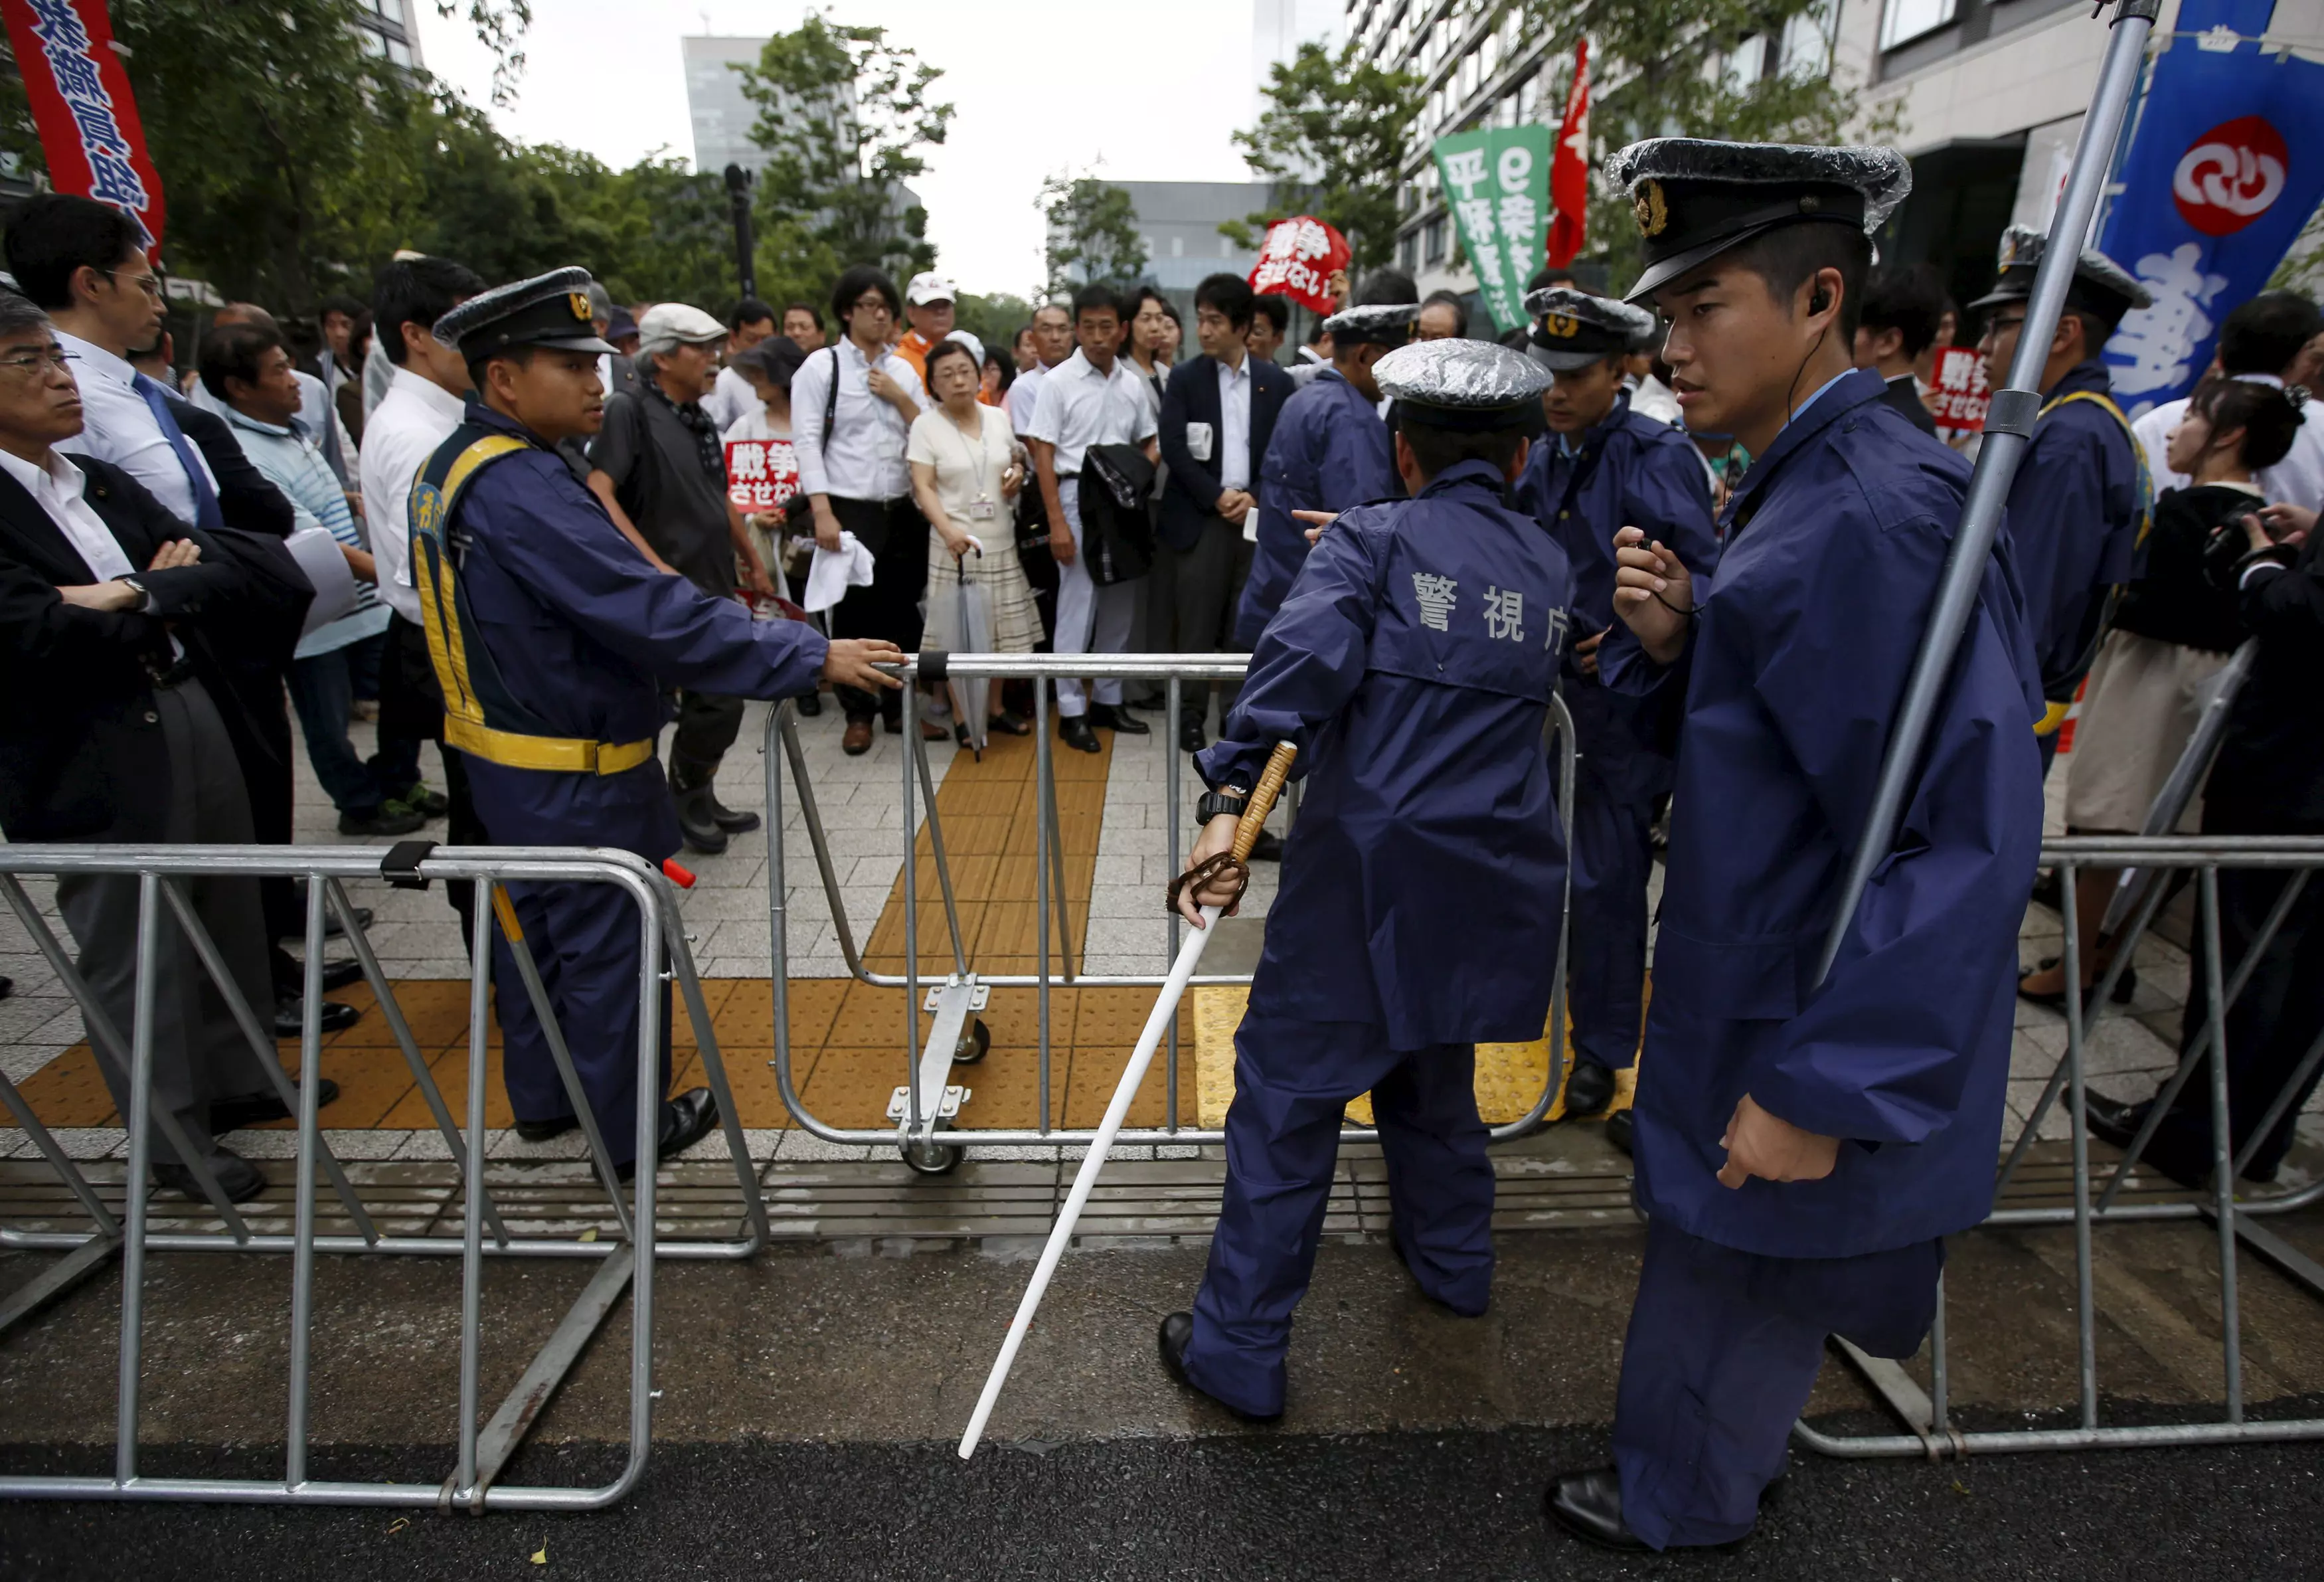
pixel 625 1261
pixel 1928 1414
pixel 928 1101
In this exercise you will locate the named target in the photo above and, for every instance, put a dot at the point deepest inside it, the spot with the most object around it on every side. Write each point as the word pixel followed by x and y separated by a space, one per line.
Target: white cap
pixel 670 324
pixel 975 347
pixel 929 286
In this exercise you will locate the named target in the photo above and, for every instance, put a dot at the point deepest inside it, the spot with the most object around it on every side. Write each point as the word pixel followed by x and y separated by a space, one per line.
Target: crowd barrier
pixel 2237 1221
pixel 925 1104
pixel 625 1262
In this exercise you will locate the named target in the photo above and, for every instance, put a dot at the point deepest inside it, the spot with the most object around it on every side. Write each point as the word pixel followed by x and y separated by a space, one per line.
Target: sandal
pixel 1009 722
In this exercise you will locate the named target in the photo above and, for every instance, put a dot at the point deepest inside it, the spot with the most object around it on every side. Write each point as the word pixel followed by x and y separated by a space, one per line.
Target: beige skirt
pixel 1016 619
pixel 2143 701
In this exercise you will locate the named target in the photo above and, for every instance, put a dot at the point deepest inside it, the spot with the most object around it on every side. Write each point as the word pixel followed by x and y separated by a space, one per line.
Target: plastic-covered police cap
pixel 1472 387
pixel 549 310
pixel 2101 287
pixel 1380 323
pixel 1572 329
pixel 1694 198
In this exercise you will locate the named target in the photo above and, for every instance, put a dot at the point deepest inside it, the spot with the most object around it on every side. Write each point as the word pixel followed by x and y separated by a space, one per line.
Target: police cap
pixel 1469 386
pixel 550 310
pixel 1572 329
pixel 2100 287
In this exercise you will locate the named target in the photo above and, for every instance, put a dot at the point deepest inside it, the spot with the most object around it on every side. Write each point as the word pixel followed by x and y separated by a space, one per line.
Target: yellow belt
pixel 2051 719
pixel 562 754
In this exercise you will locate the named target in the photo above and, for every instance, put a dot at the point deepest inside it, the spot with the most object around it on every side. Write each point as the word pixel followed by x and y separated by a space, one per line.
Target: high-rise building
pixel 1277 29
pixel 388 29
pixel 722 116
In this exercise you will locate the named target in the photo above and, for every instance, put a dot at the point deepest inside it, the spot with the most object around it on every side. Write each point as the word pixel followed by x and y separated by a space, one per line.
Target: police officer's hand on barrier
pixel 851 662
pixel 1768 1146
pixel 1653 594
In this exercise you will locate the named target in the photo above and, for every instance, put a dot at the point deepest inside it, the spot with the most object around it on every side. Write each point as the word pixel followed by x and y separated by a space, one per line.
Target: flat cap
pixel 2101 287
pixel 1474 386
pixel 550 310
pixel 1572 329
pixel 672 324
pixel 1380 323
pixel 1694 198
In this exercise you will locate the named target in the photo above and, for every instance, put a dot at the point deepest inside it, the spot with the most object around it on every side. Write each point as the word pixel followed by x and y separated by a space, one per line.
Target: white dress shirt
pixel 863 458
pixel 1234 425
pixel 416 415
pixel 1080 407
pixel 729 399
pixel 2298 479
pixel 121 429
pixel 58 487
pixel 1024 394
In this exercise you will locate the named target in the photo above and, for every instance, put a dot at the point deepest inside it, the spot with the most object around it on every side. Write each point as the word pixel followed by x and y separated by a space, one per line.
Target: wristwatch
pixel 137 584
pixel 1230 802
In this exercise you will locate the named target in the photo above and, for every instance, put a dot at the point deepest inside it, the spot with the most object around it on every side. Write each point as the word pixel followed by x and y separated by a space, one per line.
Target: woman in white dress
pixel 965 474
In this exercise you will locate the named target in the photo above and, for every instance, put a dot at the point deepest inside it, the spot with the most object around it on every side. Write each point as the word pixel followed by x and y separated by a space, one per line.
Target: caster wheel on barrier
pixel 931 1159
pixel 975 1043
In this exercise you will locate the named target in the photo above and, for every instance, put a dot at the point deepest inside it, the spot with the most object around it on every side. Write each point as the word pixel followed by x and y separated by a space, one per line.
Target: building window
pixel 1748 64
pixel 1433 245
pixel 1806 53
pixel 1177 247
pixel 1906 20
pixel 1408 252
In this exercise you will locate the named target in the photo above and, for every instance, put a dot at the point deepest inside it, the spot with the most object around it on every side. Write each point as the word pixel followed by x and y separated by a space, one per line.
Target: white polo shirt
pixel 416 416
pixel 1080 407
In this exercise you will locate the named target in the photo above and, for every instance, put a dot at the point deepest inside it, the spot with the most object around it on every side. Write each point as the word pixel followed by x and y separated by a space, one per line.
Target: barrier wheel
pixel 974 1044
pixel 931 1159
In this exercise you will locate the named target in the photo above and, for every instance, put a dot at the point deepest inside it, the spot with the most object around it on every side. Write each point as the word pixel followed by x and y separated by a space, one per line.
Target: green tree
pixel 1093 234
pixel 1695 68
pixel 842 115
pixel 1332 141
pixel 994 319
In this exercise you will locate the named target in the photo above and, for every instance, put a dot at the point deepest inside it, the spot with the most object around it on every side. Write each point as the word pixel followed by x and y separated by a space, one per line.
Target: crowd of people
pixel 535 527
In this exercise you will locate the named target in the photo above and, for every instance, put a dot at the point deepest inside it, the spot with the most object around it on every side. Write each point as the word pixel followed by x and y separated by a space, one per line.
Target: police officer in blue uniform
pixel 550 633
pixel 1330 451
pixel 1602 467
pixel 2080 502
pixel 1413 663
pixel 1802 1148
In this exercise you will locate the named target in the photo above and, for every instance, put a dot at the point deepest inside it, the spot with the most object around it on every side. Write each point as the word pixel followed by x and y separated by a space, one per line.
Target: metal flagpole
pixel 1164 1016
pixel 2009 429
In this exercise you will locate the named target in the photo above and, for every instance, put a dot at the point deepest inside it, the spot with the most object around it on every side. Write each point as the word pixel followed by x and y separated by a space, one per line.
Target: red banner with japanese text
pixel 761 474
pixel 1297 259
pixel 1961 394
pixel 1569 168
pixel 78 92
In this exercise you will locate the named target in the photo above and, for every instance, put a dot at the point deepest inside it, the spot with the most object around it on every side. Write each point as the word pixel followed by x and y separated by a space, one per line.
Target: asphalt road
pixel 1460 1504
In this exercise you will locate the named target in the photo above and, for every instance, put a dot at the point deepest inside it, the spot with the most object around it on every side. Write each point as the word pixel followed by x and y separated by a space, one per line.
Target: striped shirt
pixel 292 464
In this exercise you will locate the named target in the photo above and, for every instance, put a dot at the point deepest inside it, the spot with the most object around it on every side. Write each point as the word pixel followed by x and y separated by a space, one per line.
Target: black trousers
pixel 897 534
pixel 1210 578
pixel 412 704
pixel 2271 1026
pixel 707 725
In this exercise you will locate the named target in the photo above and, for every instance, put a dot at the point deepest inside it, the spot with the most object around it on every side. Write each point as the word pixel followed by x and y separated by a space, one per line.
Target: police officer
pixel 1602 467
pixel 2079 504
pixel 548 630
pixel 1802 1148
pixel 1330 451
pixel 1412 664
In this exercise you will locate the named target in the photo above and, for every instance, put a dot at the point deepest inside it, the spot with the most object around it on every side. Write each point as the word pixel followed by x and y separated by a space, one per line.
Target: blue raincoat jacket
pixel 2075 510
pixel 1330 452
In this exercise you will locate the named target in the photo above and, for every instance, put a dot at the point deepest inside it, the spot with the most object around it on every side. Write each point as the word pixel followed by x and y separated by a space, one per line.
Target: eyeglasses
pixel 871 303
pixel 56 357
pixel 150 284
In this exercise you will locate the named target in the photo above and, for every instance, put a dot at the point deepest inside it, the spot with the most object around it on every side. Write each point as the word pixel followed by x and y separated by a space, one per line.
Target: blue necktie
pixel 206 515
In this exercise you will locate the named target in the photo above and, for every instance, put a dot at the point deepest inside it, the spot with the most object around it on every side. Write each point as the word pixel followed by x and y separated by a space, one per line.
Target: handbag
pixel 1117 533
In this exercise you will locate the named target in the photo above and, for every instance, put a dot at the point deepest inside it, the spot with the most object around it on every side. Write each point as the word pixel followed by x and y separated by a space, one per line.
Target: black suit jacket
pixel 1903 395
pixel 2269 776
pixel 81 752
pixel 1191 497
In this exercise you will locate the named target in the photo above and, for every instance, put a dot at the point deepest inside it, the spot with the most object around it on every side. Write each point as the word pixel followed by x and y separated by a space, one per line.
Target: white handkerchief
pixel 834 571
pixel 1198 442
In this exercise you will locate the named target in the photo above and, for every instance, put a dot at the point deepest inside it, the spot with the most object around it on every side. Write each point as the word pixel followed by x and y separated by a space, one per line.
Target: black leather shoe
pixel 808 706
pixel 1588 1505
pixel 732 821
pixel 235 1175
pixel 1268 847
pixel 289 1017
pixel 340 974
pixel 2125 987
pixel 1177 1331
pixel 1190 734
pixel 1618 1129
pixel 1073 730
pixel 2049 890
pixel 697 825
pixel 542 1131
pixel 255 1109
pixel 1588 1091
pixel 2112 1121
pixel 686 1120
pixel 1119 721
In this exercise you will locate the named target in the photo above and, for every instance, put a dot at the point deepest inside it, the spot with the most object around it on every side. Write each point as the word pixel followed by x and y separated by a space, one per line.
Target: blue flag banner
pixel 2224 169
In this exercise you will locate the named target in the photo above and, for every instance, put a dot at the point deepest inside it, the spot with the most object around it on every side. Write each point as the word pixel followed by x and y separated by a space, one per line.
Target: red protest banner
pixel 1299 255
pixel 1961 392
pixel 1569 170
pixel 761 474
pixel 80 95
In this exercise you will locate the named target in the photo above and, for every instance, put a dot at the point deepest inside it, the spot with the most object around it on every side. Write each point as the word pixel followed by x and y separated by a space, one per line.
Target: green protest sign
pixel 1497 185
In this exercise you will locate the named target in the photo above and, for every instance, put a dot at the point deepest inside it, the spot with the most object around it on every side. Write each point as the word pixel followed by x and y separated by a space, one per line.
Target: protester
pixel 1903 306
pixel 1650 396
pixel 1053 343
pixel 965 476
pixel 1271 324
pixel 658 468
pixel 249 370
pixel 802 322
pixel 994 378
pixel 2265 340
pixel 852 406
pixel 1146 336
pixel 762 483
pixel 347 398
pixel 1024 347
pixel 1216 421
pixel 1092 398
pixel 1444 316
pixel 109 732
pixel 1146 332
pixel 747 322
pixel 2079 503
pixel 315 408
pixel 928 306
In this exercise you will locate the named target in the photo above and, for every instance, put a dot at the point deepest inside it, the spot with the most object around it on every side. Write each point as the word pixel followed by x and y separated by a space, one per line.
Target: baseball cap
pixel 929 286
